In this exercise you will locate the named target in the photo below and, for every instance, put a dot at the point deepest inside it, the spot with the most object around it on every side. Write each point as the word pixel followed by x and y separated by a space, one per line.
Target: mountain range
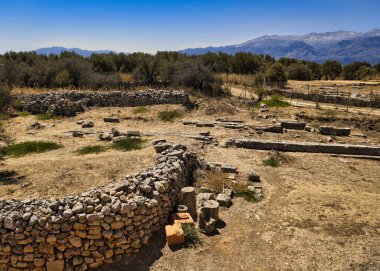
pixel 58 50
pixel 344 46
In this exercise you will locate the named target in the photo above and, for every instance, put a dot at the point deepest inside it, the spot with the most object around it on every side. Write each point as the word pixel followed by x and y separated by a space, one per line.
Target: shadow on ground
pixel 141 261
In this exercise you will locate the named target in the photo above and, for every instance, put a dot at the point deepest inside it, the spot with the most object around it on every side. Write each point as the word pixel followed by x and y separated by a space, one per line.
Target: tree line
pixel 28 69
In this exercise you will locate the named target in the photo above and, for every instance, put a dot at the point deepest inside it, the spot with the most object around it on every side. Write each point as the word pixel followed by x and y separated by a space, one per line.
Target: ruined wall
pixel 335 99
pixel 89 229
pixel 68 103
pixel 306 147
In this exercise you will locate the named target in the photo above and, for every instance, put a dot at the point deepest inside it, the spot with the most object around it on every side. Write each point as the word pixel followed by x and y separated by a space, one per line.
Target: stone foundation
pixel 87 230
pixel 334 99
pixel 69 103
pixel 307 147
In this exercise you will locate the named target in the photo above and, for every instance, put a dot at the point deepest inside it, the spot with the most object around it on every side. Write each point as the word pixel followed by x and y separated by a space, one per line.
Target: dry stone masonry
pixel 89 229
pixel 72 102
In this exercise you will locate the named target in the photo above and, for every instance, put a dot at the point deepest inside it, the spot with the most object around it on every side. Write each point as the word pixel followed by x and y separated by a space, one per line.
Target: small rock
pixel 89 124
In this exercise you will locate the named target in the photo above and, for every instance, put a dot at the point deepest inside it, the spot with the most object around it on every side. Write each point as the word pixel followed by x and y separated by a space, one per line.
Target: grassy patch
pixel 248 195
pixel 90 149
pixel 191 233
pixel 128 144
pixel 23 113
pixel 169 115
pixel 274 101
pixel 48 116
pixel 272 161
pixel 4 117
pixel 28 147
pixel 140 110
pixel 329 113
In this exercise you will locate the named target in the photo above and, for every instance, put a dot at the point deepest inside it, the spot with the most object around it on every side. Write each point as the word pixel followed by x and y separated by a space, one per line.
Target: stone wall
pixel 68 103
pixel 305 147
pixel 89 229
pixel 334 99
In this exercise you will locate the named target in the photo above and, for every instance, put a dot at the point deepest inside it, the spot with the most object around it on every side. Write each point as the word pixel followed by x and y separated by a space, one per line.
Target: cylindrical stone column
pixel 188 199
pixel 211 209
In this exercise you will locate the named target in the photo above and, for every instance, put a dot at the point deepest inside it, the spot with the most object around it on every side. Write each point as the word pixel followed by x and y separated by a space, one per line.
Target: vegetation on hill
pixel 70 70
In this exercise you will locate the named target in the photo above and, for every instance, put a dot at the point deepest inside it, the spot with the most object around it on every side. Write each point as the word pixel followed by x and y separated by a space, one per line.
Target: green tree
pixel 276 73
pixel 350 71
pixel 245 63
pixel 377 67
pixel 10 72
pixel 299 71
pixel 331 69
pixel 5 98
pixel 63 79
pixel 147 70
pixel 365 73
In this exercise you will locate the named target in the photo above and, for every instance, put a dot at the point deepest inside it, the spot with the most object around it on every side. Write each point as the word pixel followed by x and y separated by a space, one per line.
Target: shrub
pixel 169 115
pixel 90 149
pixel 190 232
pixel 5 98
pixel 140 110
pixel 29 147
pixel 248 195
pixel 272 161
pixel 275 101
pixel 197 76
pixel 47 116
pixel 128 144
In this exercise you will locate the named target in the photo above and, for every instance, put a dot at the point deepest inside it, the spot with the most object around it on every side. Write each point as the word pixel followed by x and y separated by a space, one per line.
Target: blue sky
pixel 149 26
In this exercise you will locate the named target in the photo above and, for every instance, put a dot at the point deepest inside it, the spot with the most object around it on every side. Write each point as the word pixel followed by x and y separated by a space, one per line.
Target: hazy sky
pixel 149 26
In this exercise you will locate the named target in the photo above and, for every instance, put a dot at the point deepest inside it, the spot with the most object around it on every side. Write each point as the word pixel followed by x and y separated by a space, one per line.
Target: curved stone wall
pixel 87 230
pixel 68 103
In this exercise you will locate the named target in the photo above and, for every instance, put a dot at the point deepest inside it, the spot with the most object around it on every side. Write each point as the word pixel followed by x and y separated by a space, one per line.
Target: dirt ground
pixel 318 212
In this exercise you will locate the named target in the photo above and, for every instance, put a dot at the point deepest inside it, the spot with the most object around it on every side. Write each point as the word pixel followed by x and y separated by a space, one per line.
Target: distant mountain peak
pixel 57 50
pixel 357 46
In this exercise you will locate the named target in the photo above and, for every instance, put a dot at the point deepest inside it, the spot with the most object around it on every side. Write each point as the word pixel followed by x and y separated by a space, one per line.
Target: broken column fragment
pixel 188 199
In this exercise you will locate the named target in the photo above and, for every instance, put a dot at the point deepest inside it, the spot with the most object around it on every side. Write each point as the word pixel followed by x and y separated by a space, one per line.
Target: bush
pixel 140 110
pixel 169 115
pixel 48 116
pixel 275 101
pixel 28 147
pixel 190 232
pixel 299 71
pixel 272 161
pixel 248 195
pixel 197 76
pixel 276 74
pixel 128 144
pixel 90 149
pixel 5 98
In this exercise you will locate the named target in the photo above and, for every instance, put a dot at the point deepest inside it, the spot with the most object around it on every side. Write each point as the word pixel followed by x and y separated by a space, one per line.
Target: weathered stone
pixel 75 241
pixel 46 248
pixel 223 200
pixel 253 177
pixel 189 200
pixel 57 265
pixel 174 234
pixel 111 119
